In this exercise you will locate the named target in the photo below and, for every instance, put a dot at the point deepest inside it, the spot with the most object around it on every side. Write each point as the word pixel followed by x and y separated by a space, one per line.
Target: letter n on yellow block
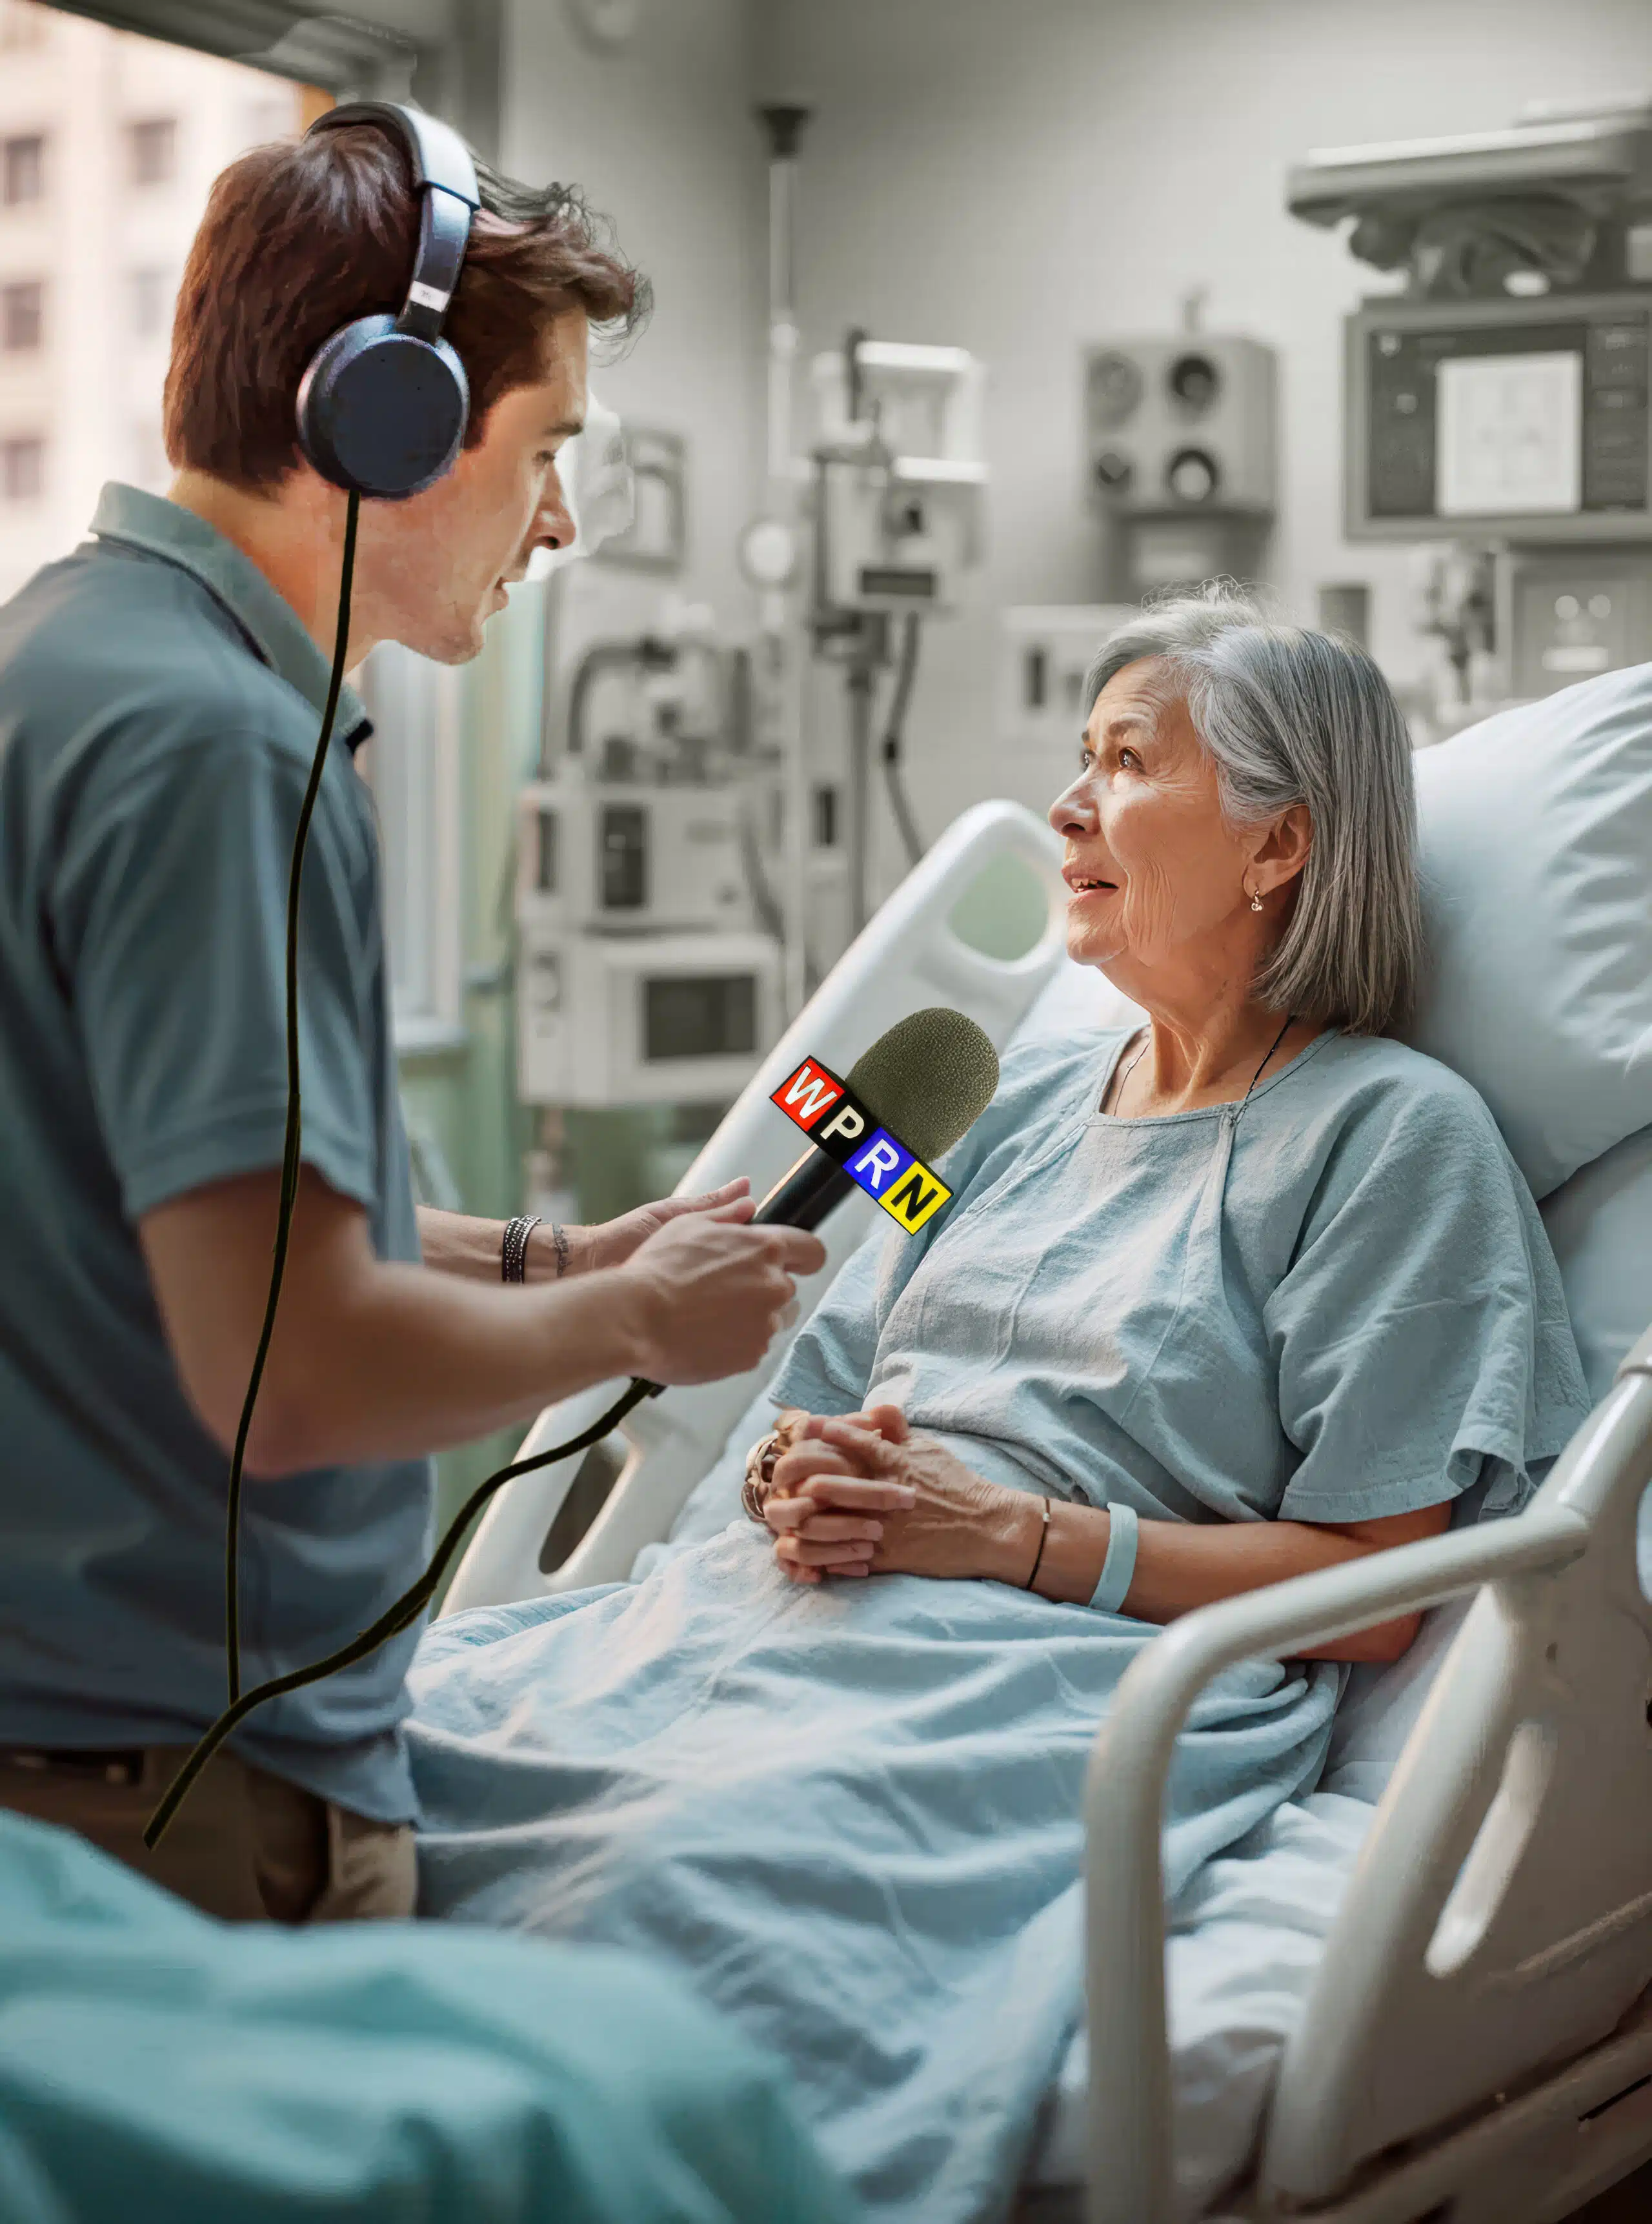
pixel 916 1200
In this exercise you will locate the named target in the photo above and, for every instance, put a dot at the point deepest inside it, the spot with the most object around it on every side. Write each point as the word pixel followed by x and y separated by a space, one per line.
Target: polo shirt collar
pixel 159 528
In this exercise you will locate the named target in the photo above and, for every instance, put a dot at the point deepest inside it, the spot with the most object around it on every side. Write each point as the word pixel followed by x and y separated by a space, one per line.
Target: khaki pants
pixel 244 1846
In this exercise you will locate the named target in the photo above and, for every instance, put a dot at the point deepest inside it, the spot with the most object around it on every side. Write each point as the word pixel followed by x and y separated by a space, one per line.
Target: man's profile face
pixel 441 563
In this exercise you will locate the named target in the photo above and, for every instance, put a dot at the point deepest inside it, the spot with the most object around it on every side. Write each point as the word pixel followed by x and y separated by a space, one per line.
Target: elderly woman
pixel 1249 1290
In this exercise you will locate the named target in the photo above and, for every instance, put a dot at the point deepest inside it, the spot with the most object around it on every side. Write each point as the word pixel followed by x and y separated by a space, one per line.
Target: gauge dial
pixel 767 552
pixel 1115 387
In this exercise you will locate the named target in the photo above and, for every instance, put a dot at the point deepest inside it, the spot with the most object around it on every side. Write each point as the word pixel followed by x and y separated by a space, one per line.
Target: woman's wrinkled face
pixel 1155 872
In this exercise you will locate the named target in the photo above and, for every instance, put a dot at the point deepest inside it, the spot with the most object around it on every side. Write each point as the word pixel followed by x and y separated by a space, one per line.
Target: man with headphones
pixel 360 320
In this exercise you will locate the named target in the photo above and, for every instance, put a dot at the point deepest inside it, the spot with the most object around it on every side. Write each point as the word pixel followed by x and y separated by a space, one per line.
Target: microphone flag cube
pixel 814 1099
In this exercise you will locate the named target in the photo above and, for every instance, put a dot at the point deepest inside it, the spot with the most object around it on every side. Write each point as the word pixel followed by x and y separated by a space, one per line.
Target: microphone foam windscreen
pixel 928 1078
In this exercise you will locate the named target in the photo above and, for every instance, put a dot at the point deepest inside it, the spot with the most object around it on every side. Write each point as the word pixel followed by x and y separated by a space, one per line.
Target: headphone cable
pixel 291 1154
pixel 395 1618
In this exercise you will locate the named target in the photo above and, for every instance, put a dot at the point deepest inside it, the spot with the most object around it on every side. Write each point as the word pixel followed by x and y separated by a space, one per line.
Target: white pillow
pixel 1600 1226
pixel 1536 841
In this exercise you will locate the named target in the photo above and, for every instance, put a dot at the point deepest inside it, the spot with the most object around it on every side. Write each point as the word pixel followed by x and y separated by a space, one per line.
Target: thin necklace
pixel 1118 1094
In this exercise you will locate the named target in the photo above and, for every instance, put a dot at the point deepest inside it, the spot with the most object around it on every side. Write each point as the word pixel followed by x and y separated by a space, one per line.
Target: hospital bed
pixel 1424 1991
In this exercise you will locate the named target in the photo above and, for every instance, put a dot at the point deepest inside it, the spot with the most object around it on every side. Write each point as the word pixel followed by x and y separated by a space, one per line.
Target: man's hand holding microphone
pixel 709 1291
pixel 375 1359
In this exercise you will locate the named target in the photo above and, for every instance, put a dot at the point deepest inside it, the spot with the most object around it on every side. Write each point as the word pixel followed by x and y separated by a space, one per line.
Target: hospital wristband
pixel 1119 1569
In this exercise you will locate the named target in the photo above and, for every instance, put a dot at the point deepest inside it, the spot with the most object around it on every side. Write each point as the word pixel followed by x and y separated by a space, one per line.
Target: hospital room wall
pixel 661 135
pixel 1018 181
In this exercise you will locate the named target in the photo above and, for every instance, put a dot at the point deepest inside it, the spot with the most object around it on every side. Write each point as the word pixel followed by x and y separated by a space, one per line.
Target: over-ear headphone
pixel 382 407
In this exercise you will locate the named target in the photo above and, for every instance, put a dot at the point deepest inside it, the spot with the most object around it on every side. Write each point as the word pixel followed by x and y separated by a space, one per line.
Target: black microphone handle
pixel 803 1197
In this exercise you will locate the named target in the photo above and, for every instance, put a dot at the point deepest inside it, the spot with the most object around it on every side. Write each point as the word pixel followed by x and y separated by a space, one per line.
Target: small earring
pixel 1256 901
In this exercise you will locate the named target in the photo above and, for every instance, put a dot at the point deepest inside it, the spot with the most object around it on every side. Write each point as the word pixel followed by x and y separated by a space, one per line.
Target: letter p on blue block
pixel 902 1185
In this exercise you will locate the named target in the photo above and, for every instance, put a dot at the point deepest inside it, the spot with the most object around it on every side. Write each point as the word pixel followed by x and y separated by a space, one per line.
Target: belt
pixel 117 1765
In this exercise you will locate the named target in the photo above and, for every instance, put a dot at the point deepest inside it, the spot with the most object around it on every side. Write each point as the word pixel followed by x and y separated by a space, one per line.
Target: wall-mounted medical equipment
pixel 864 533
pixel 1503 402
pixel 900 488
pixel 1179 453
pixel 678 1019
pixel 649 965
pixel 608 855
pixel 1529 420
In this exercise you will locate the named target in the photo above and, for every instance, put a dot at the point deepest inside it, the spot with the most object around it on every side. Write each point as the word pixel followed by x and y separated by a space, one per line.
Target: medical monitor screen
pixel 1509 434
pixel 1482 418
pixel 712 1016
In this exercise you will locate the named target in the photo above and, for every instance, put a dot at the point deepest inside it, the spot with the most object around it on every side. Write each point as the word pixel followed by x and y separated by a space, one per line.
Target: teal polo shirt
pixel 160 705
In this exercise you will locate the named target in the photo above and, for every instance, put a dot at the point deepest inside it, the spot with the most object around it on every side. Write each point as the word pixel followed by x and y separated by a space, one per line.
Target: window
pixel 20 305
pixel 154 147
pixel 23 170
pixel 412 765
pixel 21 25
pixel 81 121
pixel 151 303
pixel 22 468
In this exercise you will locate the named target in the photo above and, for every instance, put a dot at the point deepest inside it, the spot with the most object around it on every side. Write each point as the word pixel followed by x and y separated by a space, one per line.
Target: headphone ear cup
pixel 381 413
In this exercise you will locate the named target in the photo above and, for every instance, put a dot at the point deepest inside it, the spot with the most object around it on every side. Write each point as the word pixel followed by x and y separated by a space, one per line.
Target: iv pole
pixel 783 122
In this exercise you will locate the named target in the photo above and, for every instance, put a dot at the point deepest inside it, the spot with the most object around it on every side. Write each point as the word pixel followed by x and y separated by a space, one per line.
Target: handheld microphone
pixel 926 1080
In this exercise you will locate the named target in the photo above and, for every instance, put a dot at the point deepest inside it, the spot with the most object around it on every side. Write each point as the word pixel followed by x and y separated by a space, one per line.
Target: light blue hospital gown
pixel 1335 1305
pixel 849 1813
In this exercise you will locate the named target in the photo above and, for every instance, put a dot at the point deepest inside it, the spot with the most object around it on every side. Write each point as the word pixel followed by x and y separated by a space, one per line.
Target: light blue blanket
pixel 157 2065
pixel 850 1815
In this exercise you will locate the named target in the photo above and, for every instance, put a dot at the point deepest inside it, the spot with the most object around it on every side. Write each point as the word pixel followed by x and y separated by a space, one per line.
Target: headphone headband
pixel 382 408
pixel 436 154
pixel 445 185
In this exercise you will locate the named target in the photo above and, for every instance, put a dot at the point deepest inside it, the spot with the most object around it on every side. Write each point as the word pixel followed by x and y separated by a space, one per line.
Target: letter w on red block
pixel 808 1094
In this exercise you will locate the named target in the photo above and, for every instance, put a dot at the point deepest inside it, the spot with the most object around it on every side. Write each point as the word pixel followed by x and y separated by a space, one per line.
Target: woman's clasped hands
pixel 861 1494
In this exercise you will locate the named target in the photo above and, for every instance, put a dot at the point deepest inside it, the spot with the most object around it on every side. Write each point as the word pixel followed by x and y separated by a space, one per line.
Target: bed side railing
pixel 1486 1925
pixel 907 957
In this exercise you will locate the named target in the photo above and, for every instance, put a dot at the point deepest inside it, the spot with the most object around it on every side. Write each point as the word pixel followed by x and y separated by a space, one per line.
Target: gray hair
pixel 1290 716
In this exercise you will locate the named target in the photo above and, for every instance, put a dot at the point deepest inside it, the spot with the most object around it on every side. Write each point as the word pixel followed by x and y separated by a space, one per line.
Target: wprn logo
pixel 875 1160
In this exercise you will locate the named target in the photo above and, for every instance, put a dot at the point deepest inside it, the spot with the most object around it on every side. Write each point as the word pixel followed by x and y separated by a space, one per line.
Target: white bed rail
pixel 1500 1916
pixel 907 957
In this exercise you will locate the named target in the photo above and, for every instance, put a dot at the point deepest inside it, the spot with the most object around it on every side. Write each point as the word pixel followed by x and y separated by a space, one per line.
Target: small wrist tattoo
pixel 558 1236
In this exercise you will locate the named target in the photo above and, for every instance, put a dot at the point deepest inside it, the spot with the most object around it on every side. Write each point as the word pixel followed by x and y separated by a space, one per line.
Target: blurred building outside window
pixel 88 117
pixel 152 148
pixel 148 467
pixel 21 315
pixel 22 468
pixel 151 293
pixel 22 26
pixel 23 169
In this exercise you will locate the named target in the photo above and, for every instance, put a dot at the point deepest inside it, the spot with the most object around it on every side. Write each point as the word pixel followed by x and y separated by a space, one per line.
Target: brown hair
pixel 301 237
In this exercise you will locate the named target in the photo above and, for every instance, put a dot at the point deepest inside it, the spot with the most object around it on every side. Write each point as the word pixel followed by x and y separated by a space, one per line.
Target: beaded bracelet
pixel 513 1252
